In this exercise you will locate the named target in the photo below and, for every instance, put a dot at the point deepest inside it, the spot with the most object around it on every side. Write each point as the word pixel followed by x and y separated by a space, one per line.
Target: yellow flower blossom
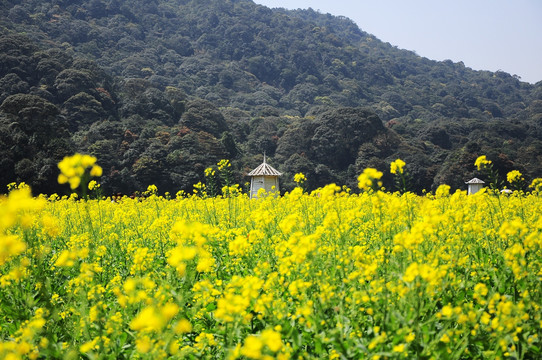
pixel 481 162
pixel 299 178
pixel 10 246
pixel 149 319
pixel 252 347
pixel 300 275
pixel 442 191
pixel 223 164
pixel 369 179
pixel 183 327
pixel 536 184
pixel 72 169
pixel 514 176
pixel 397 166
pixel 143 344
pixel 445 338
pixel 272 339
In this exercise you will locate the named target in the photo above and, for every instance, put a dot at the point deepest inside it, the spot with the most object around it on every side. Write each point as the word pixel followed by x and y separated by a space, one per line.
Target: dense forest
pixel 159 90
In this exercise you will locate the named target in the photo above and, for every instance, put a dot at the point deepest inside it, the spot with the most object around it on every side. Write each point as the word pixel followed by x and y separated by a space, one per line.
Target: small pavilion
pixel 474 185
pixel 264 177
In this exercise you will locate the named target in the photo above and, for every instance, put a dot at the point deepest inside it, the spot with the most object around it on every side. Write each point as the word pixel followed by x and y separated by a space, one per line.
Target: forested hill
pixel 159 90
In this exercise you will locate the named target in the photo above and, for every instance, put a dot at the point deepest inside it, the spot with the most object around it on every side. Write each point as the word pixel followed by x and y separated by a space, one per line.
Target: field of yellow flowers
pixel 329 275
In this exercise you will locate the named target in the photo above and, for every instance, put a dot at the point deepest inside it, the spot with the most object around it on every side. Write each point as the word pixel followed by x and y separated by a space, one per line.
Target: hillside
pixel 159 90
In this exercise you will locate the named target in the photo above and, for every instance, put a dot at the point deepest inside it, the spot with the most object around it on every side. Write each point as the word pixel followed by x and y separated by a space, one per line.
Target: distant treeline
pixel 159 90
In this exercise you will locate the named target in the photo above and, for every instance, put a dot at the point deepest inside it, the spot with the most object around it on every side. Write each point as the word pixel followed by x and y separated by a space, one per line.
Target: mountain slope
pixel 159 90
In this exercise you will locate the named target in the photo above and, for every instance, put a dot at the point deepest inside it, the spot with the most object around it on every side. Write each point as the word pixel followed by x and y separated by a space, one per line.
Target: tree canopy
pixel 159 90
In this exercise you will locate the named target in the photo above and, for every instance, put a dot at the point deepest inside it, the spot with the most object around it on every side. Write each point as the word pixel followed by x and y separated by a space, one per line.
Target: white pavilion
pixel 264 177
pixel 474 185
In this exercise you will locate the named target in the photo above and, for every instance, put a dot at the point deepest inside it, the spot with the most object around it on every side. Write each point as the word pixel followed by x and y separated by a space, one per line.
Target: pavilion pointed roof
pixel 265 170
pixel 475 181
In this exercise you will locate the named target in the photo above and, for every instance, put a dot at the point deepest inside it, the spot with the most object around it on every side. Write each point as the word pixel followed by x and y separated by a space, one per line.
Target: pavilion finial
pixel 264 157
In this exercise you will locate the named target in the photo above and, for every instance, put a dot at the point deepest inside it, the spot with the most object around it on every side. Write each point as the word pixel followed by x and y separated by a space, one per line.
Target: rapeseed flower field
pixel 328 274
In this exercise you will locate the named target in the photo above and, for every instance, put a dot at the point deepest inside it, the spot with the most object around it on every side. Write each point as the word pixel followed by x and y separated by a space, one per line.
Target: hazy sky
pixel 485 34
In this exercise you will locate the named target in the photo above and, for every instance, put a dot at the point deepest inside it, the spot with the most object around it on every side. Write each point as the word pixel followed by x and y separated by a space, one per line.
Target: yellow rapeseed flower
pixel 445 338
pixel 252 348
pixel 149 319
pixel 481 162
pixel 411 272
pixel 223 164
pixel 169 311
pixel 299 178
pixel 272 339
pixel 86 347
pixel 447 311
pixel 397 166
pixel 442 191
pixel 514 176
pixel 536 184
pixel 10 246
pixel 369 179
pixel 209 172
pixel 93 185
pixel 143 344
pixel 96 171
pixel 183 326
pixel 319 264
pixel 72 169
